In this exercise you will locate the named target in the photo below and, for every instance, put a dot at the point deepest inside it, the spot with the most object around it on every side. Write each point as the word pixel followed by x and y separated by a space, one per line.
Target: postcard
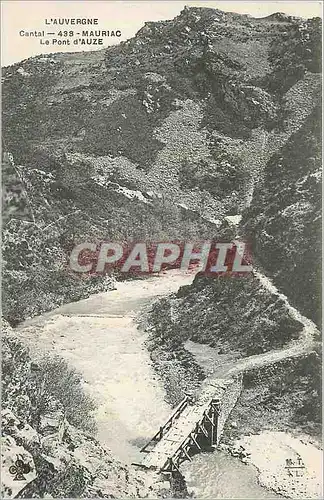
pixel 161 244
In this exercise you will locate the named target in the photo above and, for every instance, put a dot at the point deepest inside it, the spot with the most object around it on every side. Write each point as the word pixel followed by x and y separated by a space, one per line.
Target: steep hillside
pixel 213 326
pixel 284 220
pixel 200 90
pixel 230 313
pixel 154 138
pixel 163 137
pixel 46 216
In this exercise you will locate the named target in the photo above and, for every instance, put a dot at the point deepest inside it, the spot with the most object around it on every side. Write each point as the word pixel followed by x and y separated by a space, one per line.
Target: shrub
pixel 49 383
pixel 56 380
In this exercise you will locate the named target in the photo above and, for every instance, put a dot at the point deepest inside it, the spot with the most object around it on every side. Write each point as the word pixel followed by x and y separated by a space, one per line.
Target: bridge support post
pixel 215 415
pixel 173 466
pixel 212 433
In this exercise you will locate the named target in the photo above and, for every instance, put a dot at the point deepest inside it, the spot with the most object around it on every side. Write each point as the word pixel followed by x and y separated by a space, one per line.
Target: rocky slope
pixel 230 313
pixel 47 423
pixel 146 139
pixel 220 327
pixel 209 115
pixel 42 225
pixel 281 214
pixel 283 222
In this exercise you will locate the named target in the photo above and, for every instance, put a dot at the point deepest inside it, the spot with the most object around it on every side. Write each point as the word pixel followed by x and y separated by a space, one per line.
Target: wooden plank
pixel 209 419
pixel 186 453
pixel 183 426
pixel 175 414
pixel 212 429
pixel 171 466
pixel 203 430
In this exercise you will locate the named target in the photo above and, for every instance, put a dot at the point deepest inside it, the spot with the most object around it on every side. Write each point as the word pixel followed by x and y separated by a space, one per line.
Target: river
pixel 100 338
pixel 218 475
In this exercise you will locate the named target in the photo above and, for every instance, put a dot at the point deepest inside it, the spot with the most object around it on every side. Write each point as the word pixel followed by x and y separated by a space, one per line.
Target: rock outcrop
pixel 283 222
pixel 191 109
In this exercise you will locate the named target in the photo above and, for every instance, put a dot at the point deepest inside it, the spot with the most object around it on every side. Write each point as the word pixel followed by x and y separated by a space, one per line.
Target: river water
pixel 100 338
pixel 219 475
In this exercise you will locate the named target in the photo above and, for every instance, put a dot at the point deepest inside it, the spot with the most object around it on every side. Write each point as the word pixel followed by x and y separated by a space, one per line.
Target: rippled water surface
pixel 218 475
pixel 99 337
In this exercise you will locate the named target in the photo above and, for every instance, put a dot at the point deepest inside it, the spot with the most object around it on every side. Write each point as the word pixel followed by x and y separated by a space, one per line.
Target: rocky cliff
pixel 153 138
pixel 208 115
pixel 283 222
pixel 229 313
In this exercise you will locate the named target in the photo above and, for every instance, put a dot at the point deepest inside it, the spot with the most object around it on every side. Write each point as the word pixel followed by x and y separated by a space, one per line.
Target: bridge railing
pixel 164 428
pixel 191 440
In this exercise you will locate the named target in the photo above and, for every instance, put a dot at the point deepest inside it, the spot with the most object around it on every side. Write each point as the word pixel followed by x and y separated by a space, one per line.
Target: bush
pixel 32 389
pixel 56 380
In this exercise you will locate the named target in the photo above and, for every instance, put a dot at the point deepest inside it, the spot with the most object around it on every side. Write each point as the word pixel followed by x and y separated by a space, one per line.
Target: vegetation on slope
pixel 182 109
pixel 68 211
pixel 283 223
pixel 237 316
pixel 228 313
pixel 285 395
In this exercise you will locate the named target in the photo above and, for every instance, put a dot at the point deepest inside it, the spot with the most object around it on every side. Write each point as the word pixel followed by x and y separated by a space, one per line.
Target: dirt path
pixel 303 344
pixel 100 338
pixel 229 365
pixel 269 449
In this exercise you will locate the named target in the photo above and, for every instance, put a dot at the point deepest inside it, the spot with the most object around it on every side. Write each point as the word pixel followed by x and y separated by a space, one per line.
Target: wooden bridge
pixel 193 426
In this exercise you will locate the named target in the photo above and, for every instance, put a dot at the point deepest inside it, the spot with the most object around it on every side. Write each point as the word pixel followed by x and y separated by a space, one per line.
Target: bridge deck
pixel 183 426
